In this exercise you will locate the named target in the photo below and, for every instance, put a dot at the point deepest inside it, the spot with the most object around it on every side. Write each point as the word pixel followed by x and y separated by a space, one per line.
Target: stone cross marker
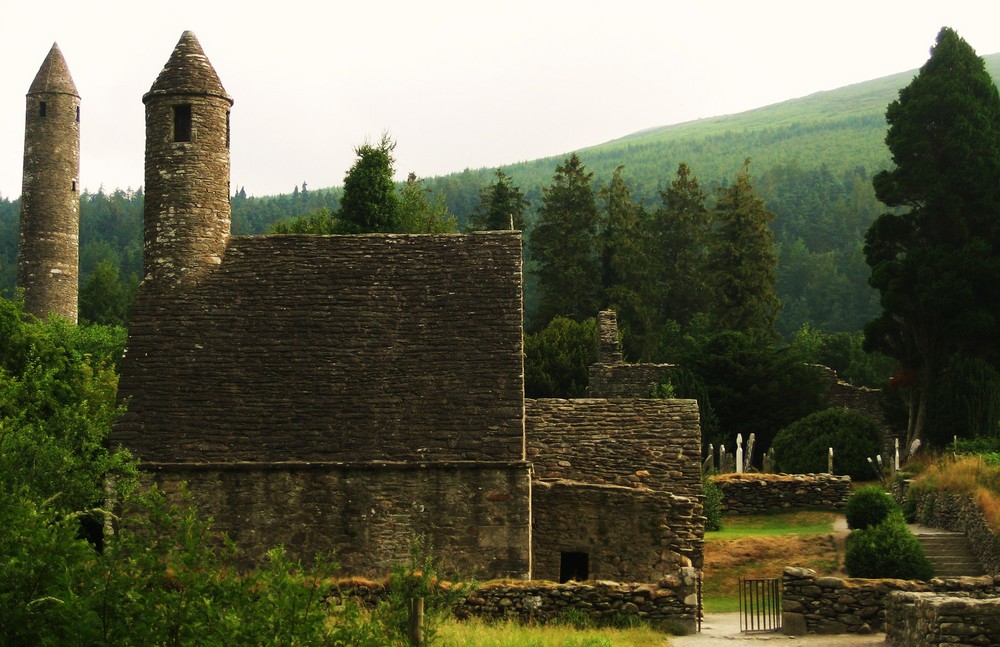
pixel 739 453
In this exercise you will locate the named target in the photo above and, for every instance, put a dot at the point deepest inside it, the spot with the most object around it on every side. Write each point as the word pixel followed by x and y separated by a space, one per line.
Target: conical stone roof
pixel 188 71
pixel 53 76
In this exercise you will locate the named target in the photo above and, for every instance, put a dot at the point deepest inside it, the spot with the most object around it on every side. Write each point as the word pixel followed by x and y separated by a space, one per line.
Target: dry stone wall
pixel 753 493
pixel 833 605
pixel 318 348
pixel 932 620
pixel 477 515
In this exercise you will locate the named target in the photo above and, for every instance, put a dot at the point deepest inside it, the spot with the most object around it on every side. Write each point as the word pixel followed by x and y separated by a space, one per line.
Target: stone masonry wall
pixel 652 444
pixel 626 380
pixel 476 514
pixel 931 619
pixel 751 493
pixel 959 513
pixel 628 534
pixel 333 348
pixel 832 605
pixel 670 603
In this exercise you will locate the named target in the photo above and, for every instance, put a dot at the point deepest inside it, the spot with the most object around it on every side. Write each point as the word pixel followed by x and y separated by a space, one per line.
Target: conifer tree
pixel 501 206
pixel 677 239
pixel 370 202
pixel 563 246
pixel 622 261
pixel 935 259
pixel 743 261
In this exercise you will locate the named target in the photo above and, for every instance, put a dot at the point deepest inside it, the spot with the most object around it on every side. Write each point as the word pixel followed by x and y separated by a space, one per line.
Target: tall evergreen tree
pixel 677 237
pixel 623 262
pixel 501 206
pixel 370 202
pixel 743 261
pixel 936 258
pixel 563 246
pixel 420 214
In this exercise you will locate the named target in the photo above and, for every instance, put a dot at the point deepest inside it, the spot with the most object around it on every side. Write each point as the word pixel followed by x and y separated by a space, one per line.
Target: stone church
pixel 350 393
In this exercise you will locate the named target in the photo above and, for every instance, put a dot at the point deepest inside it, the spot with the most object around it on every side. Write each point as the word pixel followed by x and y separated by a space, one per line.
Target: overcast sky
pixel 459 84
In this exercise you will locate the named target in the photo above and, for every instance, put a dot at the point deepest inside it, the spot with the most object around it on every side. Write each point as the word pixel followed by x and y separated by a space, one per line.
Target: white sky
pixel 459 84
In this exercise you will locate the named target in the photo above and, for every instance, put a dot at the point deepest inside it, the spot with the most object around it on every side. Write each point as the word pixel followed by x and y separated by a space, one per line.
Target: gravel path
pixel 723 630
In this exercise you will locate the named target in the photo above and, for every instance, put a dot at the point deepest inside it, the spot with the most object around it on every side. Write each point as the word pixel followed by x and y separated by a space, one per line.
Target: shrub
pixel 887 550
pixel 713 505
pixel 869 506
pixel 803 446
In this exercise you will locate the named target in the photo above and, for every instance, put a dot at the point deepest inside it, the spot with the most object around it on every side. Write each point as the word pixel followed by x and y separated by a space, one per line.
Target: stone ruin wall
pixel 619 480
pixel 833 605
pixel 959 513
pixel 751 493
pixel 934 619
pixel 476 515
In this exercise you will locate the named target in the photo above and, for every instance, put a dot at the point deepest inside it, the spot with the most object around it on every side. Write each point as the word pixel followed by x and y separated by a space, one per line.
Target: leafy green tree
pixel 321 221
pixel 743 260
pixel 564 246
pixel 935 258
pixel 370 202
pixel 420 215
pixel 557 359
pixel 501 206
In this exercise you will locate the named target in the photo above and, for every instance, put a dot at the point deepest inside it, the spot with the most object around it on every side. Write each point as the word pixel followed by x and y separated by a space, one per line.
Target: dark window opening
pixel 574 566
pixel 182 123
pixel 74 186
pixel 41 108
pixel 227 129
pixel 78 114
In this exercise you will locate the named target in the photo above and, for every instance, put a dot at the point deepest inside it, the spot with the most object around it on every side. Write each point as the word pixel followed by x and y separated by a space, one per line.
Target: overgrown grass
pixel 974 475
pixel 760 546
pixel 511 634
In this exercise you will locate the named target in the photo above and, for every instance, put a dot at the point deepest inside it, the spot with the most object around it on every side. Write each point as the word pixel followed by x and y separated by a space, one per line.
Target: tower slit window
pixel 78 114
pixel 182 122
pixel 41 109
pixel 227 129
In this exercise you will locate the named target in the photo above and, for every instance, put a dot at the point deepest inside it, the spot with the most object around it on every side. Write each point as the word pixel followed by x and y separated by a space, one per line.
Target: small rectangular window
pixel 227 129
pixel 41 108
pixel 574 566
pixel 74 186
pixel 78 114
pixel 182 122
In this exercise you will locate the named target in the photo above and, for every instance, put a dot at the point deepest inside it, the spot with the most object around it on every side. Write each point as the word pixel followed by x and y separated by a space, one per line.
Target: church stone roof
pixel 188 71
pixel 53 76
pixel 333 348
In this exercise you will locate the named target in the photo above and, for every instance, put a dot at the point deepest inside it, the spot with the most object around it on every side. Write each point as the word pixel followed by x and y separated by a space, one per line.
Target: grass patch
pixel 761 546
pixel 511 634
pixel 965 474
pixel 807 522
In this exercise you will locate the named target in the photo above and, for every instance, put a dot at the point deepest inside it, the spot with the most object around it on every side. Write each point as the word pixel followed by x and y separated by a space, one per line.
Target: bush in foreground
pixel 887 550
pixel 869 506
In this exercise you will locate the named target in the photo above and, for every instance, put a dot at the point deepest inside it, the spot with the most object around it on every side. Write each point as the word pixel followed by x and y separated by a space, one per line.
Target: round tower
pixel 187 209
pixel 48 257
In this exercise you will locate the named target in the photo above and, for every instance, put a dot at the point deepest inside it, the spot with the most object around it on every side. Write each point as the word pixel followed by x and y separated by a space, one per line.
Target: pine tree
pixel 936 258
pixel 418 214
pixel 677 237
pixel 622 262
pixel 743 261
pixel 563 246
pixel 370 202
pixel 501 206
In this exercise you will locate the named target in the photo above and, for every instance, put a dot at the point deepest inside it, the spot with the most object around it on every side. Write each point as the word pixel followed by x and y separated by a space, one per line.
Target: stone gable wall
pixel 626 380
pixel 755 493
pixel 649 443
pixel 333 348
pixel 833 605
pixel 476 515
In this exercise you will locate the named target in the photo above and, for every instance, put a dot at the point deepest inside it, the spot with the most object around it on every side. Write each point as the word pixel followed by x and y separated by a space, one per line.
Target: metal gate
pixel 760 605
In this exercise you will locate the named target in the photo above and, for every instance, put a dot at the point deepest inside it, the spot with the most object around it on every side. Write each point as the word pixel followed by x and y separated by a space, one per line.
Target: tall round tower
pixel 48 256
pixel 187 209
